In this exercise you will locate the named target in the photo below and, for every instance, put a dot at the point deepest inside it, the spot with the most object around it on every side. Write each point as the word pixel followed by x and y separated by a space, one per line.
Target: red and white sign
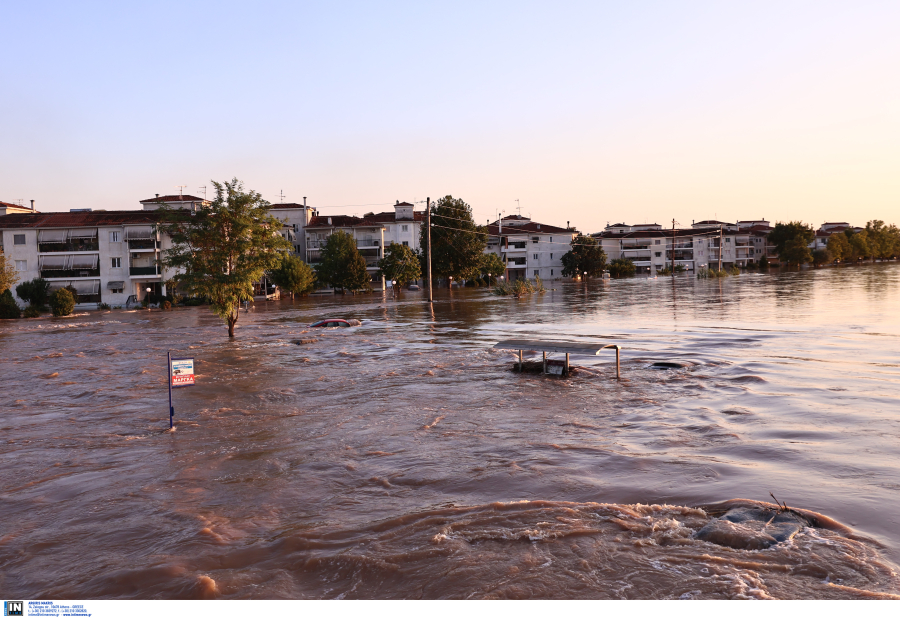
pixel 182 372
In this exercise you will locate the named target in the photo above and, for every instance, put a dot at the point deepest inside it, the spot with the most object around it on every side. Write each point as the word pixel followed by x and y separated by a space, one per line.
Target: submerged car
pixel 335 323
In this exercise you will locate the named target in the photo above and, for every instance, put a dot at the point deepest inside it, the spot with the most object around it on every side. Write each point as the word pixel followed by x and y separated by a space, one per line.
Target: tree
pixel 839 246
pixel 9 309
pixel 222 249
pixel 883 240
pixel 584 256
pixel 62 302
pixel 341 265
pixel 859 244
pixel 621 268
pixel 791 241
pixel 457 244
pixel 34 292
pixel 821 256
pixel 293 275
pixel 8 274
pixel 400 264
pixel 491 266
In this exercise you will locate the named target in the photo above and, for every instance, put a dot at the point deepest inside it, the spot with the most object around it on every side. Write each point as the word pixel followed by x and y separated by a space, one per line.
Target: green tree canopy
pixel 859 244
pixel 839 246
pixel 584 256
pixel 456 242
pixel 491 266
pixel 35 292
pixel 883 240
pixel 791 241
pixel 62 302
pixel 293 275
pixel 342 266
pixel 821 256
pixel 9 309
pixel 400 264
pixel 222 249
pixel 8 274
pixel 621 267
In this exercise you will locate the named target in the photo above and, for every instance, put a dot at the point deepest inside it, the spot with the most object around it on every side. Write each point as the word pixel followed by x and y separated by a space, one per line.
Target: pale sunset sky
pixel 589 112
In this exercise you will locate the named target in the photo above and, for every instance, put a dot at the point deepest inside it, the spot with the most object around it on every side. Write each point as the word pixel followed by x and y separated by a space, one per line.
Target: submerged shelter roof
pixel 566 347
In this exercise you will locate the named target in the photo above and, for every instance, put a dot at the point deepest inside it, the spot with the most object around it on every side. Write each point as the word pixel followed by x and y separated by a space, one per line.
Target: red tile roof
pixel 288 205
pixel 528 228
pixel 173 198
pixel 78 219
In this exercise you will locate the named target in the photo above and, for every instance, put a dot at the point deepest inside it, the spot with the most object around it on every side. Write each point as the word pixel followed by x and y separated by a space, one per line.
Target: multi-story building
pixel 651 248
pixel 529 249
pixel 372 232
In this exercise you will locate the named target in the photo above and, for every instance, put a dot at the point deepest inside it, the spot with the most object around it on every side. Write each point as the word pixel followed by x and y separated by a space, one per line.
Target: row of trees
pixel 877 241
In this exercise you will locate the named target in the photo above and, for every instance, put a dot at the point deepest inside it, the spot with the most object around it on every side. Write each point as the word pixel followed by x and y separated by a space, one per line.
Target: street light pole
pixel 428 245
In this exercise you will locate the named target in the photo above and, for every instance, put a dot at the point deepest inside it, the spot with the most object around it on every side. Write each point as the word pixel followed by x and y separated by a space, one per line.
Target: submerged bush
pixel 709 273
pixel 31 312
pixel 62 302
pixel 519 287
pixel 9 310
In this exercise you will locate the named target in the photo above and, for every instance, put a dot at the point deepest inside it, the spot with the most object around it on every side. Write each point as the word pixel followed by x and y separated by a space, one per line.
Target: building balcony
pixel 67 273
pixel 635 254
pixel 643 246
pixel 142 243
pixel 515 247
pixel 141 271
pixel 368 244
pixel 71 246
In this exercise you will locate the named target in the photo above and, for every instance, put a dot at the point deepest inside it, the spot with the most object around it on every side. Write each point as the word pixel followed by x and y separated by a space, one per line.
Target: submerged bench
pixel 562 347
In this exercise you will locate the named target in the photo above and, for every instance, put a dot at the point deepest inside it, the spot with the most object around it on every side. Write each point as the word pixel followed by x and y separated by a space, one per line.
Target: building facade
pixel 529 249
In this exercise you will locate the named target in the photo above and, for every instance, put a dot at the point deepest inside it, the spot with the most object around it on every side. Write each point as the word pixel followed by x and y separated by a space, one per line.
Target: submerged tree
pixel 791 241
pixel 621 267
pixel 293 275
pixel 585 256
pixel 342 266
pixel 457 243
pixel 400 264
pixel 839 246
pixel 222 249
pixel 491 267
pixel 35 292
pixel 8 274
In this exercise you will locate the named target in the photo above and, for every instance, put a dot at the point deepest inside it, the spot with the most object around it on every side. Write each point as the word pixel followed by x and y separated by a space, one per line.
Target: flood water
pixel 403 458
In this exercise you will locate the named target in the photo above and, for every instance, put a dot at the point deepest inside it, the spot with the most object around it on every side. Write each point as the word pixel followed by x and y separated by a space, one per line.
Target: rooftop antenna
pixel 281 195
pixel 181 192
pixel 519 208
pixel 203 188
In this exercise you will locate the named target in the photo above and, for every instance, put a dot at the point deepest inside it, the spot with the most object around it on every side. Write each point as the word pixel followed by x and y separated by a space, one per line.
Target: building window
pixel 551 240
pixel 113 237
pixel 405 243
pixel 535 239
pixel 551 257
pixel 404 228
pixel 537 273
pixel 659 254
pixel 21 265
pixel 728 240
pixel 551 272
pixel 535 256
pixel 18 239
pixel 656 242
pixel 116 262
pixel 116 290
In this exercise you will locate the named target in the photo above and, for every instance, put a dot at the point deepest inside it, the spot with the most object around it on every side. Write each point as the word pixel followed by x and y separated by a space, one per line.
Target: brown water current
pixel 403 458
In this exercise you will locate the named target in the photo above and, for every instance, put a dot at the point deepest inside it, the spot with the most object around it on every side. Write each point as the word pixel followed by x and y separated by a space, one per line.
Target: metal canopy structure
pixel 561 347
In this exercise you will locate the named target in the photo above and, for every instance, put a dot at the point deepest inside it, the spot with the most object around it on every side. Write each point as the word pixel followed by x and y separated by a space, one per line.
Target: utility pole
pixel 721 234
pixel 428 245
pixel 673 247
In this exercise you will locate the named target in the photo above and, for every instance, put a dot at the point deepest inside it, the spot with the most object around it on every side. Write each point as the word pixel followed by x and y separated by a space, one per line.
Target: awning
pixel 48 236
pixel 85 261
pixel 86 288
pixel 115 285
pixel 54 262
pixel 138 233
pixel 55 285
pixel 83 232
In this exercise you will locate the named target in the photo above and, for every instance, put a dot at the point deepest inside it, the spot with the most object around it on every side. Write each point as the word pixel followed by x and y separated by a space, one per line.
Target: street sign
pixel 182 372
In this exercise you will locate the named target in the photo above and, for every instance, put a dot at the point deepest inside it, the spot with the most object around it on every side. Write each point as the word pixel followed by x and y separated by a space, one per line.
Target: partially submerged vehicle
pixel 335 323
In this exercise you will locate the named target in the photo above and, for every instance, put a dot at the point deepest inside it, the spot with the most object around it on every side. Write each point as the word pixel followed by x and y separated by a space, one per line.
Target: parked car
pixel 335 323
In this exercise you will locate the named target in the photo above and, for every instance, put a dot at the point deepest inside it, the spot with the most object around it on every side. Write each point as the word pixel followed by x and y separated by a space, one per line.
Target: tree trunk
pixel 232 320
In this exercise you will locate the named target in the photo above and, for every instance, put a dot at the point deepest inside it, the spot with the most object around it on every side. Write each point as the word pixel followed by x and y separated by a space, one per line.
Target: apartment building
pixel 529 249
pixel 651 247
pixel 107 256
pixel 372 232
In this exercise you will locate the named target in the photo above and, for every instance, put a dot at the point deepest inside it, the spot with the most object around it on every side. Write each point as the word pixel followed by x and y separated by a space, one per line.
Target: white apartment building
pixel 529 249
pixel 651 248
pixel 107 256
pixel 373 232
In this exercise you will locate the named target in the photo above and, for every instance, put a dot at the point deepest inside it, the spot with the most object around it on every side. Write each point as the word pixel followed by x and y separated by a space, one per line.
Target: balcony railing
pixel 50 273
pixel 635 246
pixel 74 244
pixel 636 254
pixel 143 270
pixel 368 244
pixel 143 243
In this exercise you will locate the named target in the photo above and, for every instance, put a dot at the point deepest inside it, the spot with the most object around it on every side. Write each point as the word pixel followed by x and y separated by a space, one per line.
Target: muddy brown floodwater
pixel 403 459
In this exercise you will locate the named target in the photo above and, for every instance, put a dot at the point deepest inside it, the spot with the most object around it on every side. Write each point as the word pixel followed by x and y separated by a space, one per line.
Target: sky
pixel 594 112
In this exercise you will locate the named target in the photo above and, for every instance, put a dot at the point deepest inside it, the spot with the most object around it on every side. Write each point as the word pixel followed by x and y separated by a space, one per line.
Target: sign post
pixel 181 373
